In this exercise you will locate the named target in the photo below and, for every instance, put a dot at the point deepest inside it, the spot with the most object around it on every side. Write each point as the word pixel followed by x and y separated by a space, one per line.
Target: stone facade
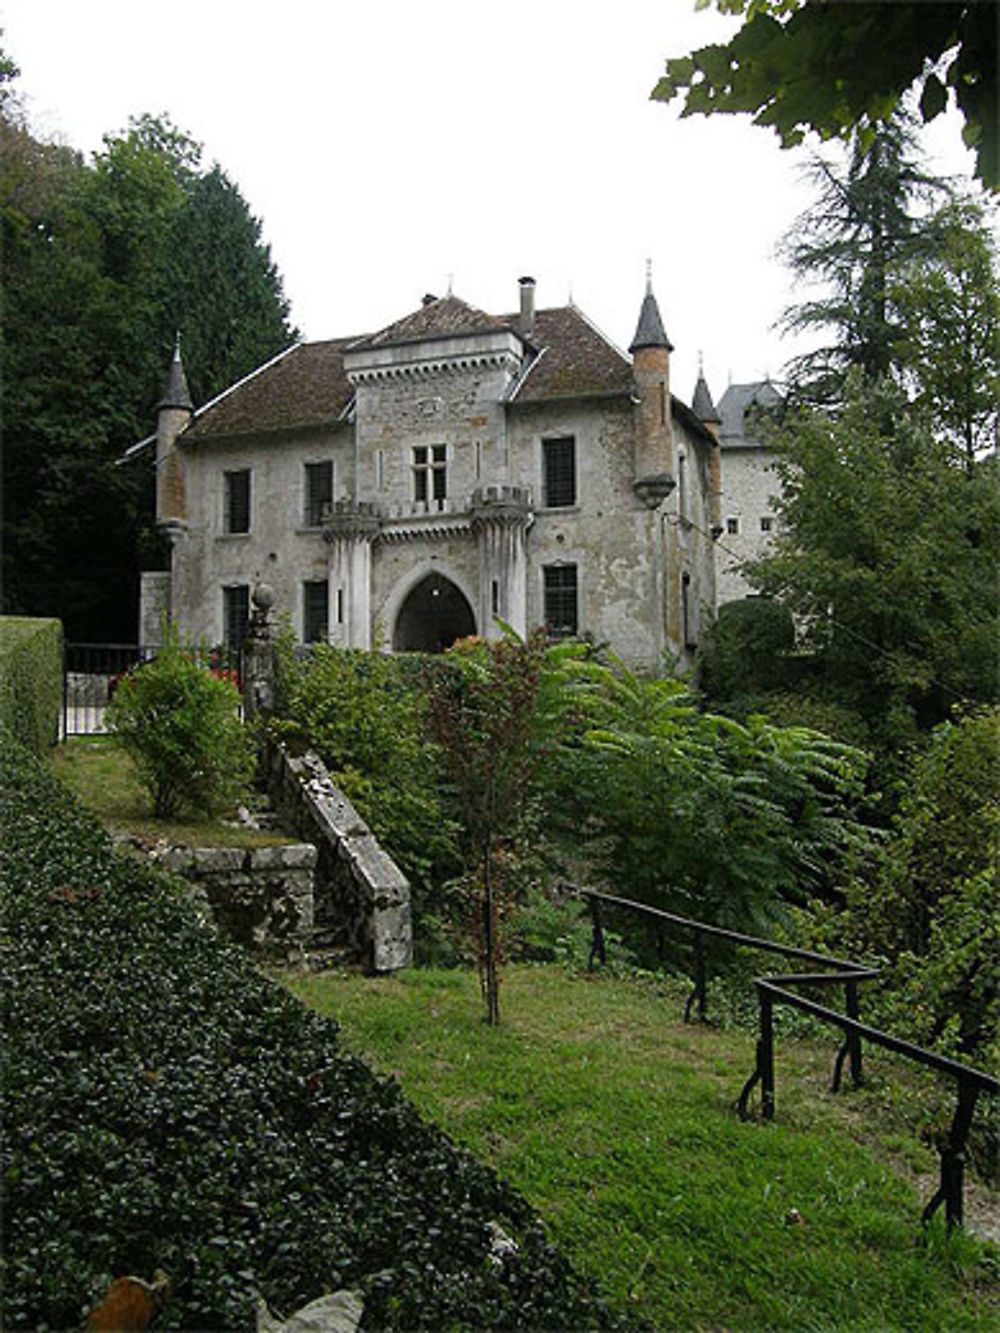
pixel 749 485
pixel 455 470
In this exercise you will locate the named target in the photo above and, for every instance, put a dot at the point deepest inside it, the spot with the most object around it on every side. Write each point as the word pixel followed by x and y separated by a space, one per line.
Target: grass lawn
pixel 616 1121
pixel 103 778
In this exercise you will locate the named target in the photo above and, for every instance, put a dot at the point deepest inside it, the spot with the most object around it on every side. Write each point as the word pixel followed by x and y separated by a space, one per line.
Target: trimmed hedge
pixel 166 1106
pixel 31 668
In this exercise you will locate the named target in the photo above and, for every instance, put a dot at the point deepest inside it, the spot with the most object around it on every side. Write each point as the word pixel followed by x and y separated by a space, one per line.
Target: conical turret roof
pixel 175 388
pixel 650 331
pixel 702 404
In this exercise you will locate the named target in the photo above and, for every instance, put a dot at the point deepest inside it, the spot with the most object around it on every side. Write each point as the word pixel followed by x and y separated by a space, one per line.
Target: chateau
pixel 409 487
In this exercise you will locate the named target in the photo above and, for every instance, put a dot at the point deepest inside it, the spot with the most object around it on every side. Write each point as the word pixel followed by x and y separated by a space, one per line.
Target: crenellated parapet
pixel 359 520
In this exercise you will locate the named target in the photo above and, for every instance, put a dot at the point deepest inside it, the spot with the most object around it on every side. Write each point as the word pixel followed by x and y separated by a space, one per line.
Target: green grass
pixel 617 1122
pixel 103 778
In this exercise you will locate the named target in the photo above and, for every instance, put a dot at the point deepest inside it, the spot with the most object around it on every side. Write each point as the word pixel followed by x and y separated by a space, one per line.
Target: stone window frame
pixel 733 525
pixel 767 523
pixel 429 469
pixel 235 614
pixel 319 478
pixel 237 512
pixel 561 599
pixel 559 471
pixel 315 610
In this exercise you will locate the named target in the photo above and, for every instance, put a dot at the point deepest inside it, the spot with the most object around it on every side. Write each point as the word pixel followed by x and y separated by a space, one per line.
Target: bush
pixel 746 649
pixel 166 1106
pixel 180 724
pixel 363 715
pixel 31 669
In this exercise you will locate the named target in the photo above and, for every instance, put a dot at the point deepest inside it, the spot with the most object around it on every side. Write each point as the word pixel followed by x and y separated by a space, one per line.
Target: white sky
pixel 391 145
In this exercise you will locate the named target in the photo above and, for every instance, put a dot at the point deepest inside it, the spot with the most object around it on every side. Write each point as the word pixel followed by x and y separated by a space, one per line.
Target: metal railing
pixel 92 672
pixel 772 990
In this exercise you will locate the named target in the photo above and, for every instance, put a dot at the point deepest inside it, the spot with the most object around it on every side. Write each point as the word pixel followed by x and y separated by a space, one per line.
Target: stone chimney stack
pixel 655 464
pixel 175 411
pixel 526 323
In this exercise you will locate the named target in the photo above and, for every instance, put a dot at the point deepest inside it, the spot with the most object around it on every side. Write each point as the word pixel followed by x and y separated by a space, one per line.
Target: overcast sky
pixel 392 147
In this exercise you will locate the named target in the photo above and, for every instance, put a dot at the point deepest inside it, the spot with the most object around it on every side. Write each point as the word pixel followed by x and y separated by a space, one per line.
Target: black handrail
pixel 773 989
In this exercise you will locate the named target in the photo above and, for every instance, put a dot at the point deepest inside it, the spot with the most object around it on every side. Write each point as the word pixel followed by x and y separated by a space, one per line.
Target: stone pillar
pixel 350 529
pixel 258 664
pixel 501 516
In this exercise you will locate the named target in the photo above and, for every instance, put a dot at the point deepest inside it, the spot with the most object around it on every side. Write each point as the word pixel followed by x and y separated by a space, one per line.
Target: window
pixel 561 616
pixel 430 474
pixel 690 639
pixel 235 614
pixel 682 504
pixel 237 517
pixel 559 472
pixel 766 523
pixel 733 527
pixel 319 492
pixel 315 611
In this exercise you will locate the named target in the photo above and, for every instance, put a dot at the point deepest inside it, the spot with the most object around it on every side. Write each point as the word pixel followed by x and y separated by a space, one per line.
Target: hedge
pixel 168 1107
pixel 31 679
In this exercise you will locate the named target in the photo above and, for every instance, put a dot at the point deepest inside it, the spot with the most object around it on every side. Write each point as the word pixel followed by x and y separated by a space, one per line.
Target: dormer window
pixel 430 475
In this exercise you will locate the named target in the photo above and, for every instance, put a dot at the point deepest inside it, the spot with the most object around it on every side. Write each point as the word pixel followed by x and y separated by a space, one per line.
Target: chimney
pixel 526 323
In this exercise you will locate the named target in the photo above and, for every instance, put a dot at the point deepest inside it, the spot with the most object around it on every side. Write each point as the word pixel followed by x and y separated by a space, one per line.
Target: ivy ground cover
pixel 167 1107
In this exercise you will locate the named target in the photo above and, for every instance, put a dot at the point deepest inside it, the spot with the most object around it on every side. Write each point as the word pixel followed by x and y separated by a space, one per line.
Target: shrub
pixel 746 649
pixel 31 680
pixel 166 1106
pixel 363 715
pixel 180 724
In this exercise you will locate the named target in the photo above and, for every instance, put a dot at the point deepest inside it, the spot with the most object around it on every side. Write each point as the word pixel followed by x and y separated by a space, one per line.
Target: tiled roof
pixel 438 317
pixel 305 386
pixel 574 360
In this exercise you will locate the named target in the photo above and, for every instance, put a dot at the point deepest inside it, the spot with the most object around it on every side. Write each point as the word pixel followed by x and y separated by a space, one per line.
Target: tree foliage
pixel 800 65
pixel 697 813
pixel 104 264
pixel 886 553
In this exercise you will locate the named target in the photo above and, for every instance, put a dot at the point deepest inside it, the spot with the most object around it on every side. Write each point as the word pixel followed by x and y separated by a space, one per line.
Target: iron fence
pixel 93 671
pixel 773 989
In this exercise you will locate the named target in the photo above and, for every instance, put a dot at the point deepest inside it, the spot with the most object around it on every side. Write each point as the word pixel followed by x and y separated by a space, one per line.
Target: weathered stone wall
pixel 360 891
pixel 261 897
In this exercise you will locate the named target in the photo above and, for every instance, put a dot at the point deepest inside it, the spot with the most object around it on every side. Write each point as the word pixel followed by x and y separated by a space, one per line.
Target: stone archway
pixel 434 614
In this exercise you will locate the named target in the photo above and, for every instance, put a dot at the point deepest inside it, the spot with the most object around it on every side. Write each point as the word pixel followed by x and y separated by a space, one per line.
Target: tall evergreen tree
pixel 104 263
pixel 864 229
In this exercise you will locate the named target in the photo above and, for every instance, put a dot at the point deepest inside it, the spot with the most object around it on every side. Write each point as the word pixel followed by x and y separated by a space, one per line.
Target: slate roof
pixel 736 402
pixel 650 331
pixel 702 405
pixel 175 388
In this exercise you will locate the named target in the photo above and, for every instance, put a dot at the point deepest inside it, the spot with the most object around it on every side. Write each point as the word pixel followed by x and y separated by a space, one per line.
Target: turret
pixel 705 411
pixel 655 466
pixel 175 411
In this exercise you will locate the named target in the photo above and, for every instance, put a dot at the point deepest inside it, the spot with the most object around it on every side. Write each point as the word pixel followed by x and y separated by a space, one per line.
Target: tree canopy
pixel 799 65
pixel 105 262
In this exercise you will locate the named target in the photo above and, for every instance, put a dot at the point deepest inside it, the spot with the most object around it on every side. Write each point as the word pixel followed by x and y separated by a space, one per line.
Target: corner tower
pixel 655 461
pixel 175 411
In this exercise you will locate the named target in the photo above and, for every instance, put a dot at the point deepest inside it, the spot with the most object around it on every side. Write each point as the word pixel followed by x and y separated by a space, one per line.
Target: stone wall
pixel 261 897
pixel 361 893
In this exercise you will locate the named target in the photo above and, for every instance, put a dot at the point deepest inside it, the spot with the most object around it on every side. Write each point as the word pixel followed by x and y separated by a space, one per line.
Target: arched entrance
pixel 434 614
